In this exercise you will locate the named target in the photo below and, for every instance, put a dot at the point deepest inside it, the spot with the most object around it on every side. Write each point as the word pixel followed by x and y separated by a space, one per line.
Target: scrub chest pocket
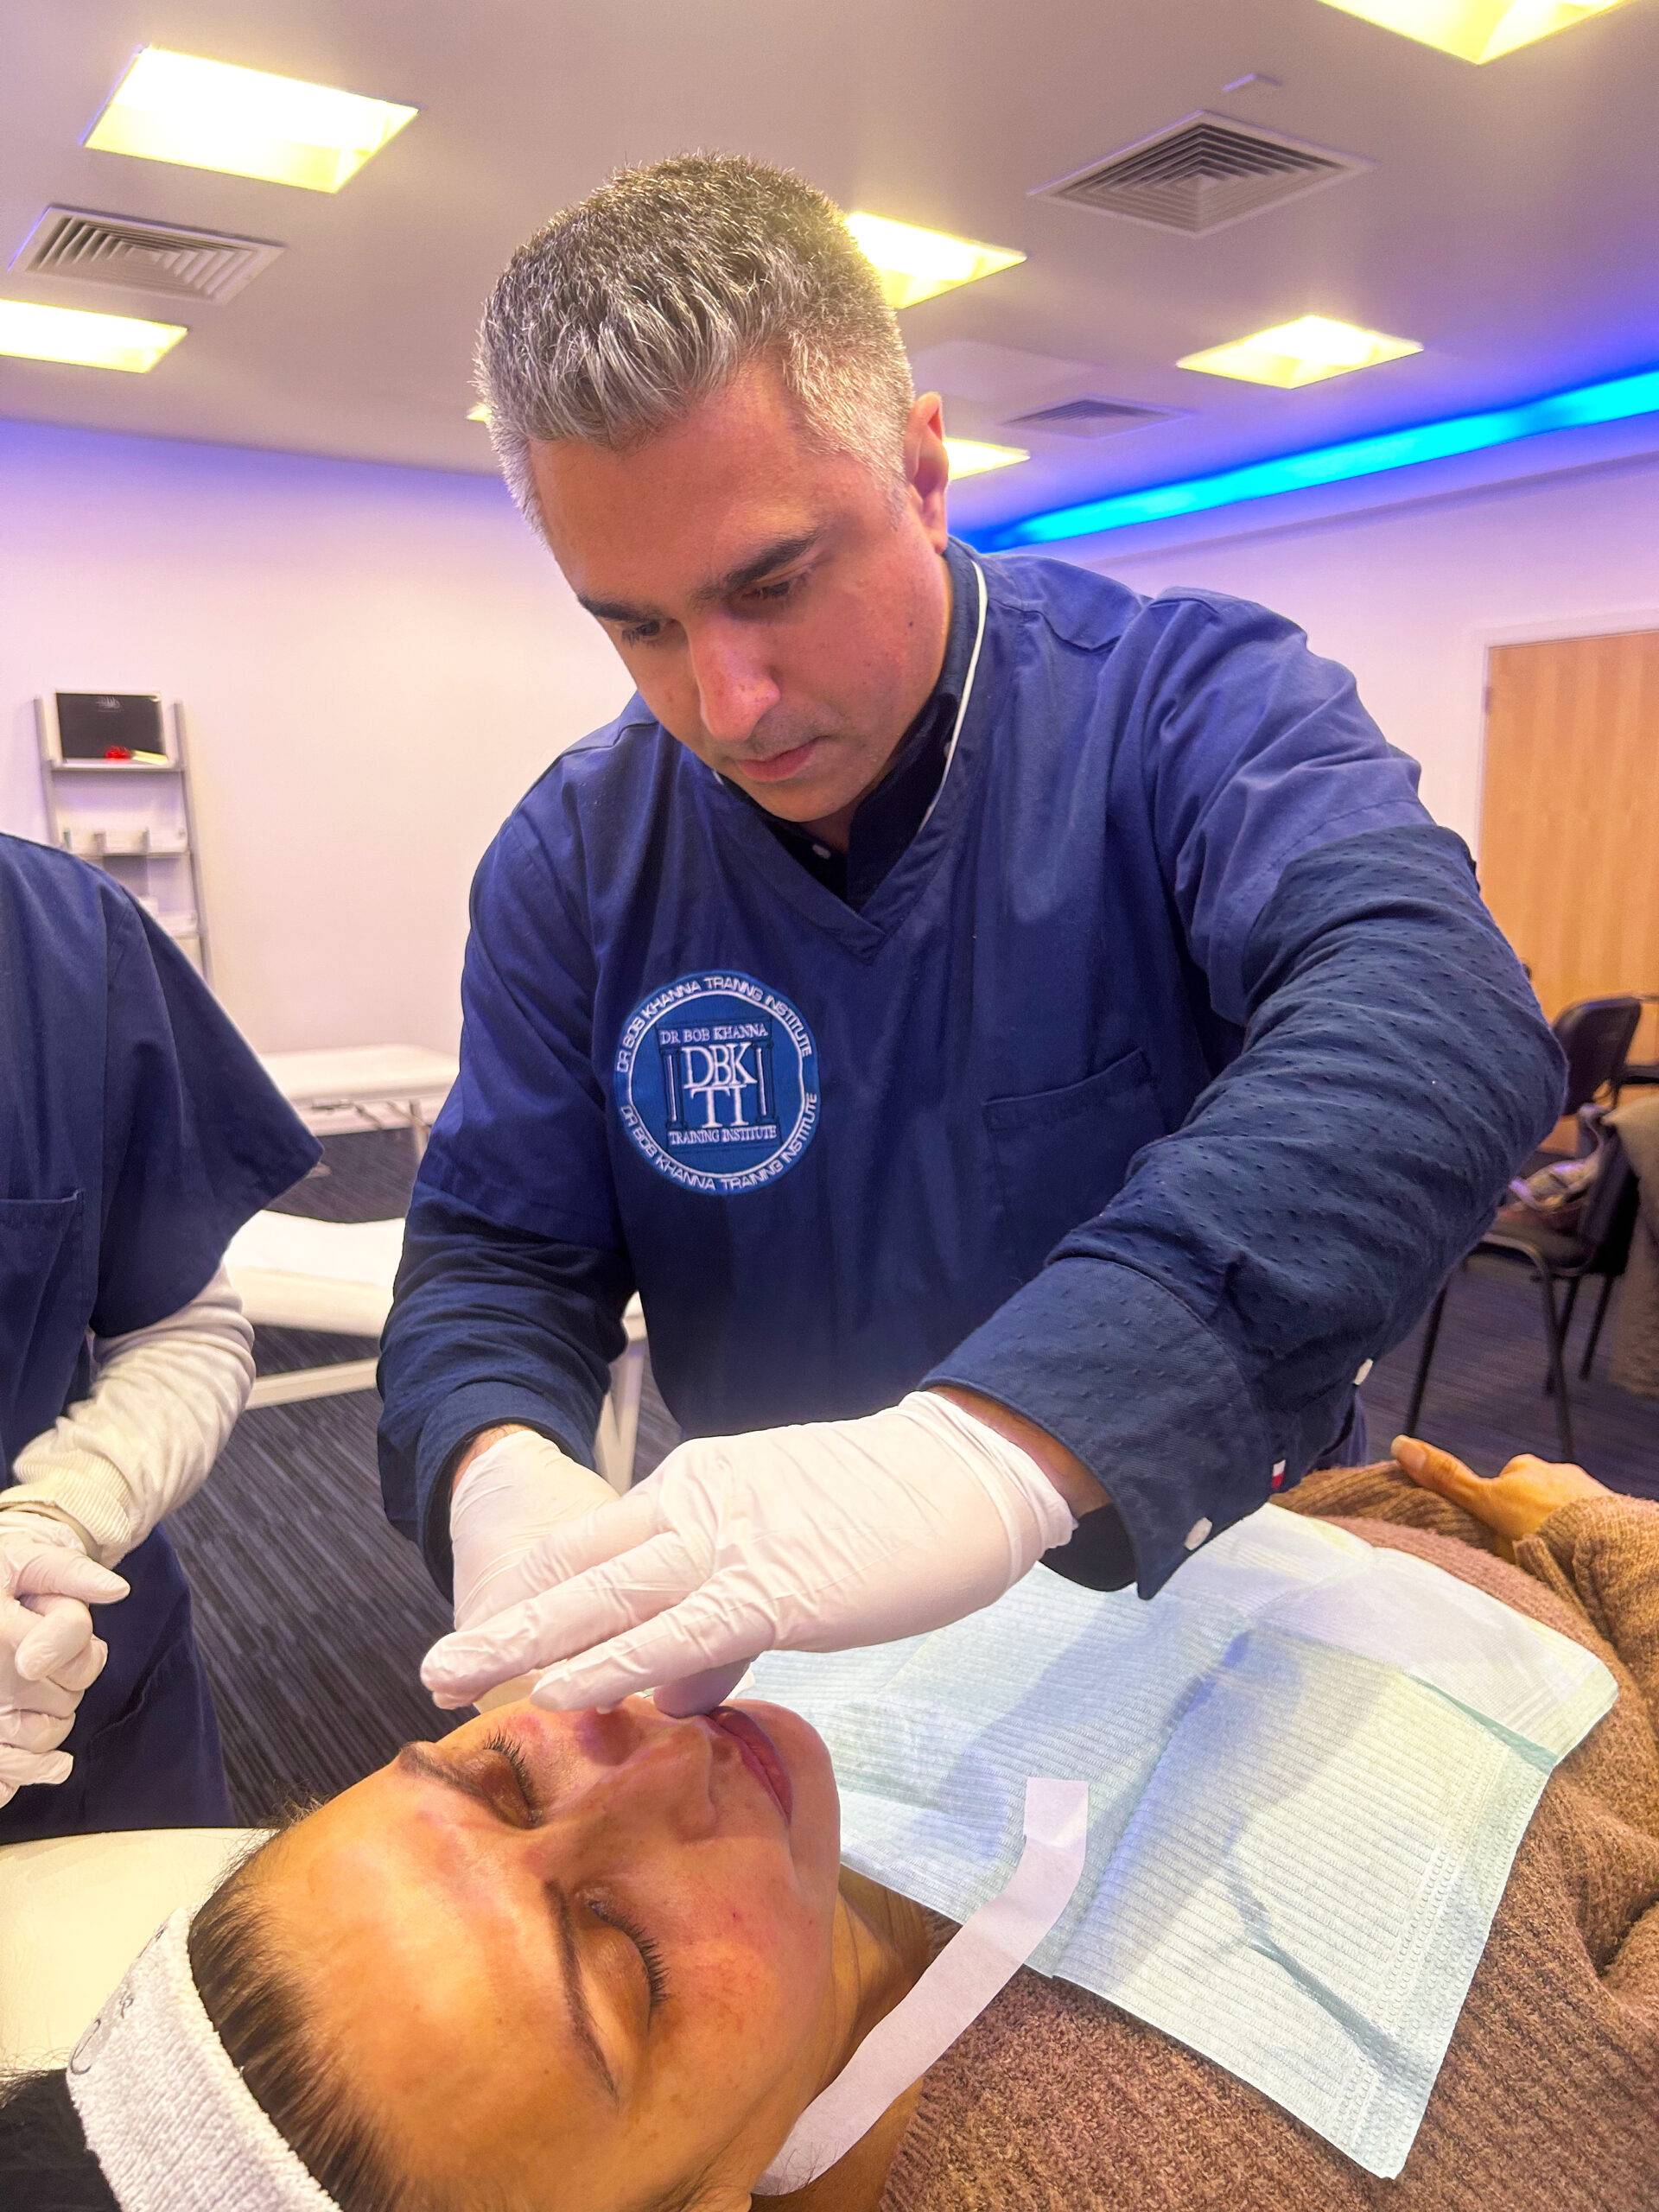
pixel 1059 1157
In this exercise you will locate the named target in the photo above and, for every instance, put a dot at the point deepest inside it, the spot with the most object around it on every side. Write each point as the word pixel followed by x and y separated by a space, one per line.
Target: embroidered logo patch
pixel 718 1083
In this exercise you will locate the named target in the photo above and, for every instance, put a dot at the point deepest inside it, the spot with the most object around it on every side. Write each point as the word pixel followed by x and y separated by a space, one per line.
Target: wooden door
pixel 1569 834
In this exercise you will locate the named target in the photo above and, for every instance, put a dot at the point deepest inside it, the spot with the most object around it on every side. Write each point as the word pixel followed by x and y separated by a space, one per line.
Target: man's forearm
pixel 1081 1490
pixel 477 1445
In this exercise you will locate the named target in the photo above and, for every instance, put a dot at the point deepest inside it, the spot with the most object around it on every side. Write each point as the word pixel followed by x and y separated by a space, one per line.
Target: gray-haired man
pixel 1027 1044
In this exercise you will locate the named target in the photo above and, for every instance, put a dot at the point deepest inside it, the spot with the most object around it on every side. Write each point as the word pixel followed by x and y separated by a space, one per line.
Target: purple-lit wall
pixel 375 663
pixel 1410 596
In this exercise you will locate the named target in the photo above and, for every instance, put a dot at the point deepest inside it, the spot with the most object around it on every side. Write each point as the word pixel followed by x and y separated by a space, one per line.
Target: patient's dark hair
pixel 45 2165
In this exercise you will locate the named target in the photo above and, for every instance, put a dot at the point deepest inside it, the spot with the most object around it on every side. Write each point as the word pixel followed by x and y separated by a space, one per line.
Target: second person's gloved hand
pixel 811 1539
pixel 518 1490
pixel 49 1656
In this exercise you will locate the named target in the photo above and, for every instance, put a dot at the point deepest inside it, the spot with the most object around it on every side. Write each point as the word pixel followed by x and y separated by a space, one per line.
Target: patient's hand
pixel 1515 1503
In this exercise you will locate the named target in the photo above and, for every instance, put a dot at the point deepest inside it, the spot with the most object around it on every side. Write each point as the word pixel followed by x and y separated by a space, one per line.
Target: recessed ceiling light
pixel 214 115
pixel 974 457
pixel 1304 351
pixel 1475 30
pixel 916 264
pixel 88 342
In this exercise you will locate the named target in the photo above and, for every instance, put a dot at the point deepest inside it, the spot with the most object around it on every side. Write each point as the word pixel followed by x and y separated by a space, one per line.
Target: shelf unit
pixel 134 819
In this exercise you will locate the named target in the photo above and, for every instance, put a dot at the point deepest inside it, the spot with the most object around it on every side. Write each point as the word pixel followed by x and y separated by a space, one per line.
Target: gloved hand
pixel 811 1539
pixel 518 1490
pixel 49 1654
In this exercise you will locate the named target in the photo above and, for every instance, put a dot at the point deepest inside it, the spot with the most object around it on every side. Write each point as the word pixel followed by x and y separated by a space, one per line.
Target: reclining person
pixel 604 1960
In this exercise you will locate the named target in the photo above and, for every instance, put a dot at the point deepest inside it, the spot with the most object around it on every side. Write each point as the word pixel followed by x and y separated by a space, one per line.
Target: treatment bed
pixel 337 1276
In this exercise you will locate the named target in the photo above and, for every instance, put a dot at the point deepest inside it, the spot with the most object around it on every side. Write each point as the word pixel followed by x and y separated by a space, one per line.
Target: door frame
pixel 1618 621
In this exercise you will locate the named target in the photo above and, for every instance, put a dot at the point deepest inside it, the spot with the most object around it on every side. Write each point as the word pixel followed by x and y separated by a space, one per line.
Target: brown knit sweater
pixel 1548 2100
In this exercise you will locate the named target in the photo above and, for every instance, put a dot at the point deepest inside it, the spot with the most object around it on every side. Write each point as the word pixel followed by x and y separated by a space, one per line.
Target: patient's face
pixel 581 1957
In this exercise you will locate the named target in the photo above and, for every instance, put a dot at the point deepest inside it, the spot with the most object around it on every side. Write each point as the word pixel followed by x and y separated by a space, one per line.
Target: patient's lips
pixel 760 1754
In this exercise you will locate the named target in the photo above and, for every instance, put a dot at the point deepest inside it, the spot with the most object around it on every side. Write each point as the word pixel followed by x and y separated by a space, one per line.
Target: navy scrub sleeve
pixel 1197 1343
pixel 137 1133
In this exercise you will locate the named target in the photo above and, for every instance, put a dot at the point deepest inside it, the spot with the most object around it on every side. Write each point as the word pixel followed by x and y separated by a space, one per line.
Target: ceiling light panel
pixel 916 264
pixel 1304 351
pixel 975 457
pixel 85 340
pixel 214 115
pixel 1475 30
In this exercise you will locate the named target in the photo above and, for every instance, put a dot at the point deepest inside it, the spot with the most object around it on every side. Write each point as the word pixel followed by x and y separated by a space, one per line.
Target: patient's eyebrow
pixel 582 2018
pixel 415 1758
pixel 776 556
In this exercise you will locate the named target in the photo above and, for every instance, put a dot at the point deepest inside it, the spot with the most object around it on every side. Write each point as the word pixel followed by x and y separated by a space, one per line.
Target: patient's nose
pixel 646 1773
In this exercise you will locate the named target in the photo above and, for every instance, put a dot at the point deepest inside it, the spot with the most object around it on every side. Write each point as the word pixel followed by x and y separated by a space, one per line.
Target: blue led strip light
pixel 1561 410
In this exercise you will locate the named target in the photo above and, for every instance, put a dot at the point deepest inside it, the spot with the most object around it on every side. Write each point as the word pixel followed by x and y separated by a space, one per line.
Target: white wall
pixel 375 663
pixel 1407 596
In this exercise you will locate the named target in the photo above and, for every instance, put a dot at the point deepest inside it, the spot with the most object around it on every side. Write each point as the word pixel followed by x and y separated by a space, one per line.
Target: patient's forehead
pixel 416 1987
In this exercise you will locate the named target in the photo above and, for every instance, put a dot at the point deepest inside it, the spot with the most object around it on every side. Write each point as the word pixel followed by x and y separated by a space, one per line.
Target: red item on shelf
pixel 117 753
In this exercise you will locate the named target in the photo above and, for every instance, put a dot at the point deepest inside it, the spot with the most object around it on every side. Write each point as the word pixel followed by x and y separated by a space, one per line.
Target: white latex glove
pixel 49 1656
pixel 807 1539
pixel 518 1490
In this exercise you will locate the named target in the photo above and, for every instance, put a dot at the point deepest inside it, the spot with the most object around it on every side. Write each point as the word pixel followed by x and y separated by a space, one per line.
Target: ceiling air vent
pixel 131 255
pixel 1089 418
pixel 1202 173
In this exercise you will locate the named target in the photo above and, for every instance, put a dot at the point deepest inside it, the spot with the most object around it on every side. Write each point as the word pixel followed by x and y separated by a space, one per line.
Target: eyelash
pixel 503 1745
pixel 649 634
pixel 650 1952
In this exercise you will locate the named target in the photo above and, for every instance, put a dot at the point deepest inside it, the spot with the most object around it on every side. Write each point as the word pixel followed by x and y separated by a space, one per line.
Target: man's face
pixel 777 614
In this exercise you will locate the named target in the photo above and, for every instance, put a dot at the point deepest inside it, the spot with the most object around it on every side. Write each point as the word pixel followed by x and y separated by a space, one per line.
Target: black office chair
pixel 1595 1034
pixel 1600 1245
pixel 1639 1071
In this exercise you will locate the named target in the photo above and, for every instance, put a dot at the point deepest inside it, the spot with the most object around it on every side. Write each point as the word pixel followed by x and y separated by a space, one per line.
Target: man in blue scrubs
pixel 1027 1044
pixel 137 1133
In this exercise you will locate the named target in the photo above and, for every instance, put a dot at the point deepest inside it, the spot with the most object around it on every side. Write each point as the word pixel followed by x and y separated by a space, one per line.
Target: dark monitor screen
pixel 93 724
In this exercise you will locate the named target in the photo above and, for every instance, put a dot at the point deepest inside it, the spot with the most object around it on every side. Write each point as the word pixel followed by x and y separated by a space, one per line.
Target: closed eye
pixel 650 1954
pixel 518 1765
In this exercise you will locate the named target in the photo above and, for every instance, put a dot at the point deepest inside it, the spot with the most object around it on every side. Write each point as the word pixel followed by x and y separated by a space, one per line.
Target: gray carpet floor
pixel 313 1614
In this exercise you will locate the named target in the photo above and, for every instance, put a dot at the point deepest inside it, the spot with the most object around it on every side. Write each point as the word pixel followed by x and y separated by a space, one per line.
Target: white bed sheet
pixel 295 1274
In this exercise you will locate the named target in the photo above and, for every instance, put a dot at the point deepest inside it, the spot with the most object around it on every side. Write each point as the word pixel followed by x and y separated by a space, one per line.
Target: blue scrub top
pixel 1014 1121
pixel 137 1133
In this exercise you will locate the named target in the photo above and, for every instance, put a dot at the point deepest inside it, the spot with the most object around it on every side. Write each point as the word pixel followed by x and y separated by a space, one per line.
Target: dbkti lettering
pixel 717 1085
